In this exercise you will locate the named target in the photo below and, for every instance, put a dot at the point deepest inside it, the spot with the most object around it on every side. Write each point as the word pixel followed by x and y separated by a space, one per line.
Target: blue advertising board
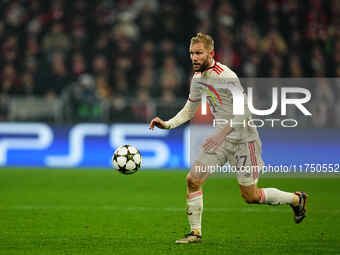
pixel 92 145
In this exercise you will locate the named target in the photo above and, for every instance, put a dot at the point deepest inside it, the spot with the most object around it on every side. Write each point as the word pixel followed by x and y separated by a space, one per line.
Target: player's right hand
pixel 158 123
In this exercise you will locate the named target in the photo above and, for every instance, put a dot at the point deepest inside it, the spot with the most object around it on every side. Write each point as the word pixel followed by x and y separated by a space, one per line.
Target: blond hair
pixel 207 41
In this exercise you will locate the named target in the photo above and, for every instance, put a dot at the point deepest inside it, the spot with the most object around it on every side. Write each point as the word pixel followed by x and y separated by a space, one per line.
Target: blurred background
pixel 127 60
pixel 69 62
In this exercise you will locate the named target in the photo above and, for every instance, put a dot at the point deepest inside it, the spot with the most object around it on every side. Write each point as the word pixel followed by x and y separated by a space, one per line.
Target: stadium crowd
pixel 130 57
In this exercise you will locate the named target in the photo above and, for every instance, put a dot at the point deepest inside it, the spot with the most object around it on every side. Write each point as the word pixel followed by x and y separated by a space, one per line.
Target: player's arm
pixel 184 115
pixel 213 142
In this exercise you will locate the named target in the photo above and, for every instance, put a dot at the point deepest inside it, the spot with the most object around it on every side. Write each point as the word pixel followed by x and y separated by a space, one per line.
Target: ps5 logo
pixel 40 137
pixel 15 138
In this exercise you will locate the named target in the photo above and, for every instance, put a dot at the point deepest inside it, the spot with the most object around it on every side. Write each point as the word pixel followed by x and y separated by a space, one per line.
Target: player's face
pixel 200 57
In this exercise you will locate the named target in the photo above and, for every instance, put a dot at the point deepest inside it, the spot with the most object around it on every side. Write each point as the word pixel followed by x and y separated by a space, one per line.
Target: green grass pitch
pixel 103 212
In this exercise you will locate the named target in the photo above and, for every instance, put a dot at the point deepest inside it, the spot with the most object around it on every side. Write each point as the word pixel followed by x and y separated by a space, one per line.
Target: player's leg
pixel 271 196
pixel 195 180
pixel 198 174
pixel 248 157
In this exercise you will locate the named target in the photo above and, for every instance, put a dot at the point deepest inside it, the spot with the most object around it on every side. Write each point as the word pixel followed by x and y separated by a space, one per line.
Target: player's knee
pixel 193 183
pixel 250 198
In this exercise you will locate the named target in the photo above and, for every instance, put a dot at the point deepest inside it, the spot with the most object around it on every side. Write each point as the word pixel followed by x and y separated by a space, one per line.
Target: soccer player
pixel 232 142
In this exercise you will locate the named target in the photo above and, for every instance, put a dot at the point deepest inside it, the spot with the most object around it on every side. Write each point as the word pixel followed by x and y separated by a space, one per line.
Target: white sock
pixel 195 209
pixel 273 196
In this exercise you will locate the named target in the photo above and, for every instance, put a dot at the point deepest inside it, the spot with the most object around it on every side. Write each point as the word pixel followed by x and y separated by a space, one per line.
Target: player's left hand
pixel 213 142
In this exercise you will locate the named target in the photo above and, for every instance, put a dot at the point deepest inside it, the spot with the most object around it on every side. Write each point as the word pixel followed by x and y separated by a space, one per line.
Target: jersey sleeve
pixel 187 113
pixel 195 91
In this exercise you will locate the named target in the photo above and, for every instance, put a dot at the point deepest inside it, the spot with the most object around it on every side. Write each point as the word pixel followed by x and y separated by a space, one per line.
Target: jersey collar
pixel 211 67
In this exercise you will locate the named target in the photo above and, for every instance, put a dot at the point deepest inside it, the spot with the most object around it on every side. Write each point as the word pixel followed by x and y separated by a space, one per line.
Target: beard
pixel 201 67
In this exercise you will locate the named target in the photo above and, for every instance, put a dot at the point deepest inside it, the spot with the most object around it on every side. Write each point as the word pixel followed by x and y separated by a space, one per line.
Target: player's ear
pixel 212 53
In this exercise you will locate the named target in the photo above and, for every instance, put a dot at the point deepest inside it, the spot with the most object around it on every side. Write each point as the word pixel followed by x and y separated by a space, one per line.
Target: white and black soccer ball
pixel 127 159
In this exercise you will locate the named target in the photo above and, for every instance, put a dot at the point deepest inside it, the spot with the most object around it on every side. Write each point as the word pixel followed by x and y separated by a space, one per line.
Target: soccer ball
pixel 127 159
